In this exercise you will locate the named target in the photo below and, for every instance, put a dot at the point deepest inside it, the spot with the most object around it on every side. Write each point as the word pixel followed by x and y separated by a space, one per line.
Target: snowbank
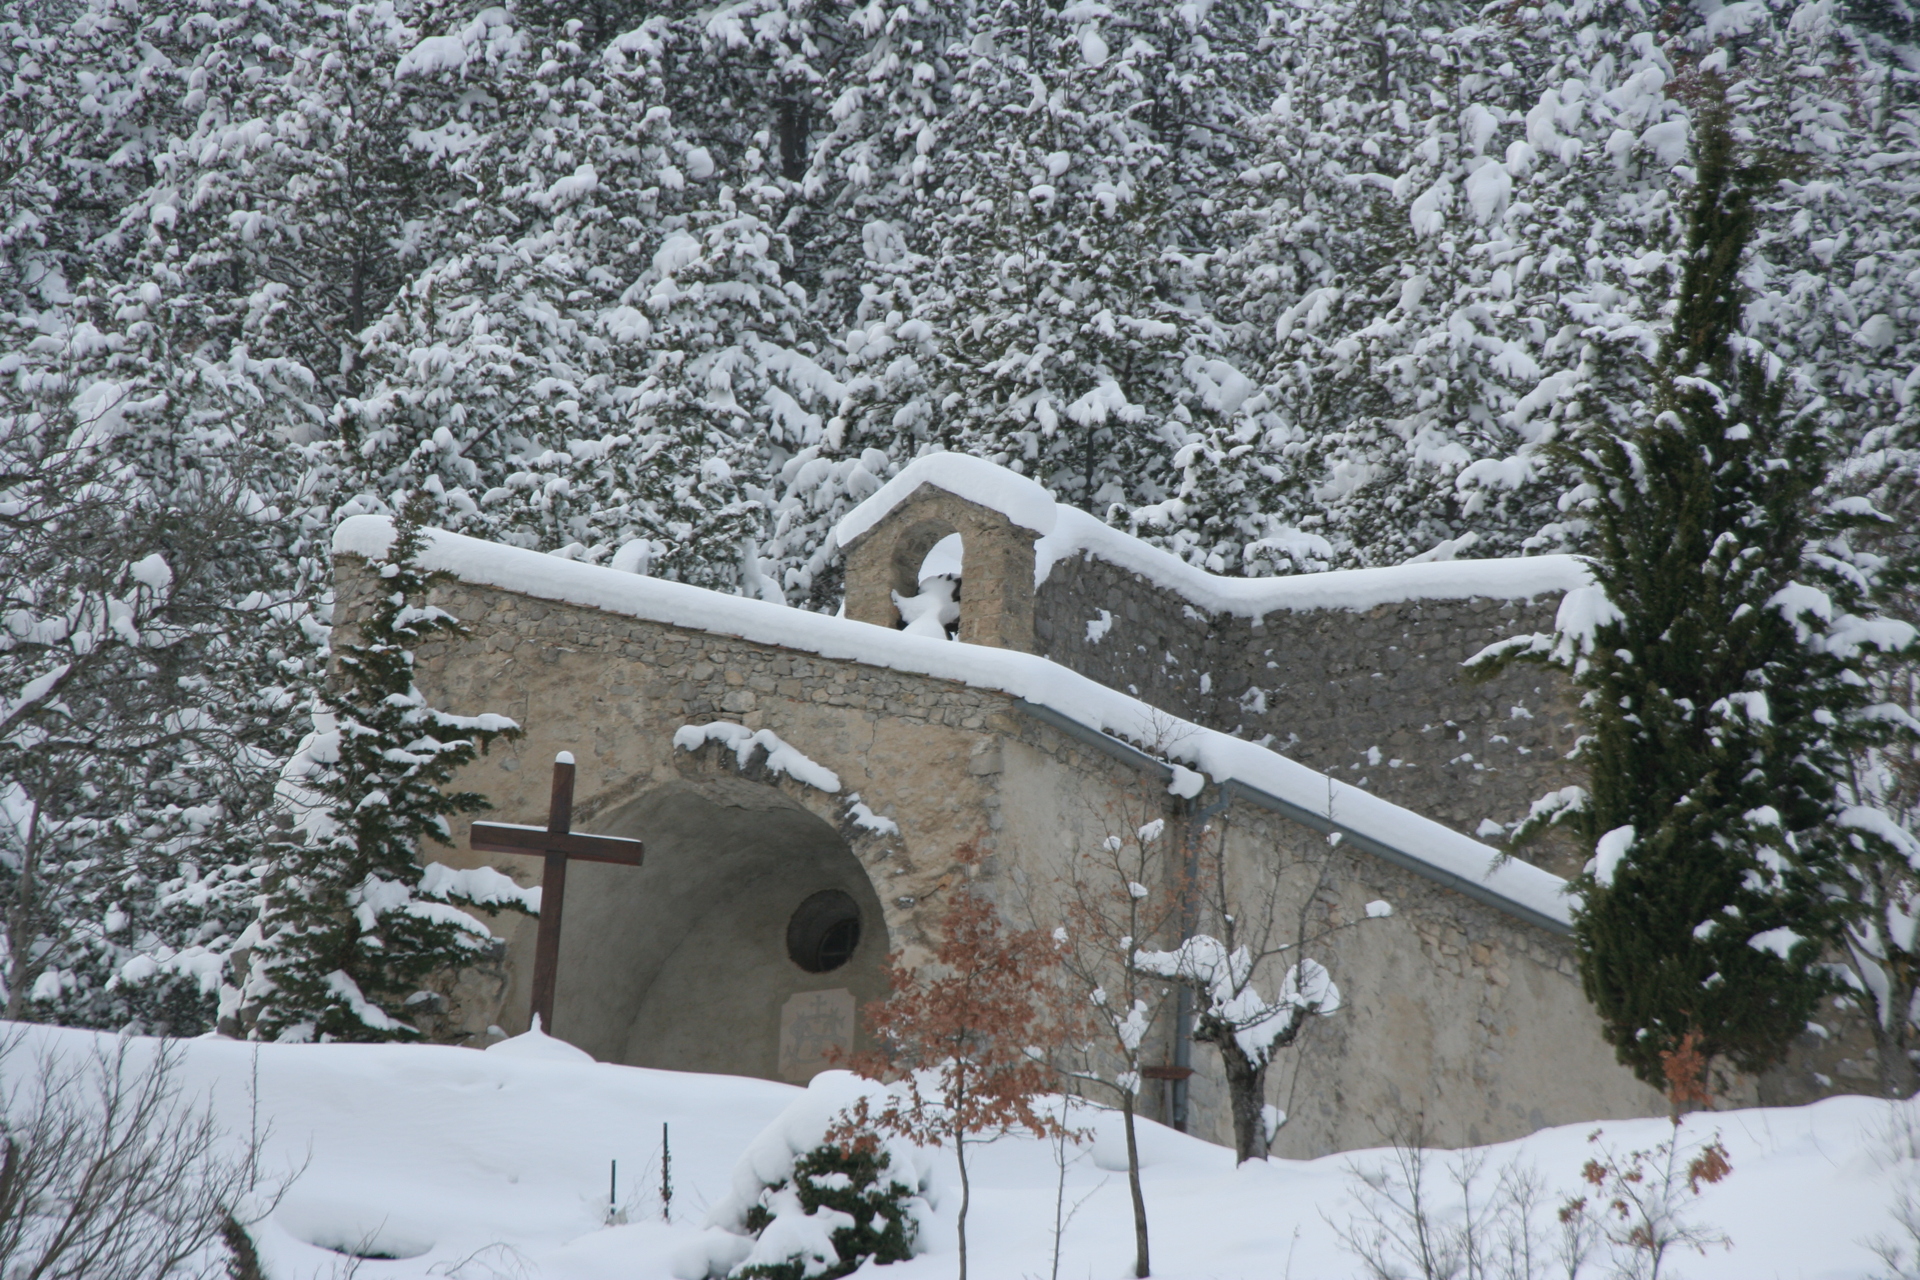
pixel 494 1164
pixel 1066 532
pixel 1419 842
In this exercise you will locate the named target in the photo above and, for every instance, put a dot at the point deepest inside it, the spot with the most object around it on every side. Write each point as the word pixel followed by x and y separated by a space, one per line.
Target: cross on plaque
pixel 557 842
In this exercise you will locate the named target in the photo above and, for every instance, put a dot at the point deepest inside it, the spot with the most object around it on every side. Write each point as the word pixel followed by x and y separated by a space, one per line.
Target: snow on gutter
pixel 1402 836
pixel 1067 531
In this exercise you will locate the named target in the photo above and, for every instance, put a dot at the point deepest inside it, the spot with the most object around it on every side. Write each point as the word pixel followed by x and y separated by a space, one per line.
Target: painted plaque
pixel 814 1024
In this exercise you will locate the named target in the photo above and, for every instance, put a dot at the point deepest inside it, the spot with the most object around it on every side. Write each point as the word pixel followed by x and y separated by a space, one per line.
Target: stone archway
pixel 746 901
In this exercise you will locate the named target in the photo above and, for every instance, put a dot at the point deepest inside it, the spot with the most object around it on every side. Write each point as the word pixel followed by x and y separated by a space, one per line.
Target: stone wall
pixel 1453 1010
pixel 1375 698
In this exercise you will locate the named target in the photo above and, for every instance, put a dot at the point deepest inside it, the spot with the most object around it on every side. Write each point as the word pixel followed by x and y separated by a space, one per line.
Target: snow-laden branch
pixel 1232 1005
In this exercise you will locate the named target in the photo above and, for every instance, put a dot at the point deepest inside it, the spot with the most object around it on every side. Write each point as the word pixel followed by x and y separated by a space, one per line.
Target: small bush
pixel 847 1182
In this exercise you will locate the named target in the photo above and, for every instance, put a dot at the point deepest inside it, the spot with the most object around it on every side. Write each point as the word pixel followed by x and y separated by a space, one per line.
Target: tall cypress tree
pixel 1723 655
pixel 355 930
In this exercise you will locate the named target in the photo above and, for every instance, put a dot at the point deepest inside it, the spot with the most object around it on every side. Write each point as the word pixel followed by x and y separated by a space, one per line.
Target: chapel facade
pixel 804 783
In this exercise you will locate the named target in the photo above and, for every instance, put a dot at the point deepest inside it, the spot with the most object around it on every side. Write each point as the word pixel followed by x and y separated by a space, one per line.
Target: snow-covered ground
pixel 495 1164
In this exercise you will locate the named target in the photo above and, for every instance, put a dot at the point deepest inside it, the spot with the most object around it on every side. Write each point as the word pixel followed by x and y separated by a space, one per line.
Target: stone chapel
pixel 1007 671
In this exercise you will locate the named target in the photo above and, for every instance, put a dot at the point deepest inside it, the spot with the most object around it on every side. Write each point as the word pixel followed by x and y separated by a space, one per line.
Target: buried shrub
pixel 840 1207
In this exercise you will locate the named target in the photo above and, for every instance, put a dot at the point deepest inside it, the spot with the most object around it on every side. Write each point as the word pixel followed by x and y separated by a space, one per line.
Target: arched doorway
pixel 746 901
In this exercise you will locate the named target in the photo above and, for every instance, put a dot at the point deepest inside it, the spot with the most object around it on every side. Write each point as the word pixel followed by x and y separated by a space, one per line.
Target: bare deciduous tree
pixel 1242 928
pixel 960 1040
pixel 1126 890
pixel 107 1170
pixel 1427 1215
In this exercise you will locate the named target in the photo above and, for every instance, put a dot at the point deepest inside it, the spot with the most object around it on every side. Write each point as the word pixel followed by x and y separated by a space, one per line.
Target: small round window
pixel 824 931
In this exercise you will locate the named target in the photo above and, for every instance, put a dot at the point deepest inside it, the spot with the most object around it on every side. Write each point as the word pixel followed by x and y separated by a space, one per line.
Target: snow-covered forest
pixel 1279 286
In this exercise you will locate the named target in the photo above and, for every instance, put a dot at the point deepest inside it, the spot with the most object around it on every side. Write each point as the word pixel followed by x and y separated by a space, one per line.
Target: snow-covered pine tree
pixel 158 625
pixel 732 388
pixel 494 375
pixel 154 537
pixel 1728 655
pixel 315 176
pixel 1837 248
pixel 1430 260
pixel 1056 351
pixel 1881 951
pixel 887 103
pixel 609 356
pixel 356 935
pixel 887 100
pixel 1882 809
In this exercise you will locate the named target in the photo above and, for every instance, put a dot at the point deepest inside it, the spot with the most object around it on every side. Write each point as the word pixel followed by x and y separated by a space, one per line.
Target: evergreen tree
pixel 355 931
pixel 159 624
pixel 609 354
pixel 1057 342
pixel 1727 655
pixel 1276 287
pixel 1427 266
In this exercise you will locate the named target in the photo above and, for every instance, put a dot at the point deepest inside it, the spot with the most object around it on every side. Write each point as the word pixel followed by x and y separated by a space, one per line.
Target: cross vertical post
pixel 553 894
pixel 555 844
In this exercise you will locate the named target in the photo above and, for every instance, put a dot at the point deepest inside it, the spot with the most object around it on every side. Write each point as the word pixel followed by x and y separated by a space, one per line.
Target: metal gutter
pixel 1106 742
pixel 1233 788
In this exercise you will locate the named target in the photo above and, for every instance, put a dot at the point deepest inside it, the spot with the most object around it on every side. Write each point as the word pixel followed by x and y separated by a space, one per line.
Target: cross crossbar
pixel 556 842
pixel 510 837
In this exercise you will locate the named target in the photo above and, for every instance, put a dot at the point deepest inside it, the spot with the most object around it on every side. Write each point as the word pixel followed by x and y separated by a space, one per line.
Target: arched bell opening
pixel 744 945
pixel 927 562
pixel 885 561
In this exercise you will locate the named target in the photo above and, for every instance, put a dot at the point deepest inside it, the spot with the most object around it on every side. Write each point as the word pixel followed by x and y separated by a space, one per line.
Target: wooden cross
pixel 557 842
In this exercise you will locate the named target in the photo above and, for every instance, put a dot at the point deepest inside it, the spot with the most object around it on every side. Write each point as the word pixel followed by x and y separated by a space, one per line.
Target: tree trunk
pixel 1141 1266
pixel 1247 1094
pixel 793 129
pixel 20 975
pixel 1898 1077
pixel 966 1194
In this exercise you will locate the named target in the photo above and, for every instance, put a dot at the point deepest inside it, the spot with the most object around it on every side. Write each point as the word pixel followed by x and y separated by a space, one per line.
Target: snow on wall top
pixel 1023 675
pixel 975 479
pixel 1067 531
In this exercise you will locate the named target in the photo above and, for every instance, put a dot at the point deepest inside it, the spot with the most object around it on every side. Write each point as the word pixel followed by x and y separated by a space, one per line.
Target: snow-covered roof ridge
pixel 1013 495
pixel 1419 841
pixel 1065 531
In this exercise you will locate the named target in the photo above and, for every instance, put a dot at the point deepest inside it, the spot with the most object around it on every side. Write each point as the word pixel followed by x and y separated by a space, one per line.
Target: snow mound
pixel 346 1225
pixel 537 1045
pixel 496 1167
